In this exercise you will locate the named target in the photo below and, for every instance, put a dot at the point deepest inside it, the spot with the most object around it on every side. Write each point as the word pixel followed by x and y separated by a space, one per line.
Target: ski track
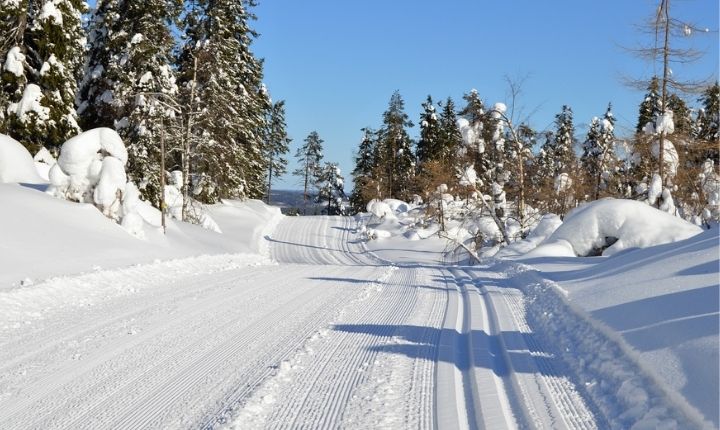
pixel 330 337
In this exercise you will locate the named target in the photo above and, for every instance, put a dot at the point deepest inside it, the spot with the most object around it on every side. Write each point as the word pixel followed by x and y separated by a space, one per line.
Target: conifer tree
pixel 449 137
pixel 364 171
pixel 217 66
pixel 277 144
pixel 129 81
pixel 395 156
pixel 309 156
pixel 13 21
pixel 41 72
pixel 427 146
pixel 330 185
pixel 474 112
pixel 598 159
pixel 708 122
pixel 650 106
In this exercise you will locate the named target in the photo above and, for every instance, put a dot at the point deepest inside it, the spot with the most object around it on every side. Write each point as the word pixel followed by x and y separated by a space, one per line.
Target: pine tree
pixel 309 156
pixel 427 146
pixel 217 66
pixel 395 156
pixel 363 173
pixel 277 144
pixel 41 111
pixel 330 185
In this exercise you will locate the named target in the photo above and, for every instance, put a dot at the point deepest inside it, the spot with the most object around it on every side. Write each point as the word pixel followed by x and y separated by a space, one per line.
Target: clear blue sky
pixel 337 62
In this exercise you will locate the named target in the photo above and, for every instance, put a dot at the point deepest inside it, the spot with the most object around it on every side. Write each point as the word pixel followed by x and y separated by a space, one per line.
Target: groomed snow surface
pixel 296 322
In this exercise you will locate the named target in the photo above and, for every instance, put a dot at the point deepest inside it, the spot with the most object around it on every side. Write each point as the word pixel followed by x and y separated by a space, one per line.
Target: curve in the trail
pixel 320 241
pixel 330 337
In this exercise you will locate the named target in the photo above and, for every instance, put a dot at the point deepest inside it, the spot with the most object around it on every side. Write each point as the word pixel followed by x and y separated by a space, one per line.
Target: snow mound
pixel 611 225
pixel 380 209
pixel 91 169
pixel 16 163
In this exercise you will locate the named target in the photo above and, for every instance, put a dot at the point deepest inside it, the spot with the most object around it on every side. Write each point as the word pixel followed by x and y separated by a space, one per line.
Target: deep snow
pixel 346 331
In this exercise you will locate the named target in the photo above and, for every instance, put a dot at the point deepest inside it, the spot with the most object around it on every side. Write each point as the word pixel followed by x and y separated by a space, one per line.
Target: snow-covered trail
pixel 329 337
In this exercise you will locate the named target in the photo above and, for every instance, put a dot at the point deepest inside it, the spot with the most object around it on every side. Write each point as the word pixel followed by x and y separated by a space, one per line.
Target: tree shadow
pixel 449 345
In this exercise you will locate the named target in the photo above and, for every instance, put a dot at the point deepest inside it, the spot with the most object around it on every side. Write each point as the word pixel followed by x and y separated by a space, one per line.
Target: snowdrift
pixel 611 225
pixel 651 321
pixel 16 163
pixel 44 236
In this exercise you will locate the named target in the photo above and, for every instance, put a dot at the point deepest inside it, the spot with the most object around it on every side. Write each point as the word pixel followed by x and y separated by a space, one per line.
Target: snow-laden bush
pixel 91 169
pixel 16 163
pixel 611 225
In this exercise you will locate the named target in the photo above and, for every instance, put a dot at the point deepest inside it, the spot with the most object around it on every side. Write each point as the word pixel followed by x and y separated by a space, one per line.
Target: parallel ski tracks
pixel 331 338
pixel 514 382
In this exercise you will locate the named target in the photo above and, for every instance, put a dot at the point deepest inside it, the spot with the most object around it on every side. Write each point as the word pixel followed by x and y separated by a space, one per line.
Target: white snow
pixel 68 237
pixel 14 61
pixel 16 163
pixel 30 103
pixel 49 10
pixel 613 225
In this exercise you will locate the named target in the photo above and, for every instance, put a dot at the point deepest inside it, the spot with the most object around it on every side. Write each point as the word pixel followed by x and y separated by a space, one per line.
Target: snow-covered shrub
pixel 611 225
pixel 91 169
pixel 16 163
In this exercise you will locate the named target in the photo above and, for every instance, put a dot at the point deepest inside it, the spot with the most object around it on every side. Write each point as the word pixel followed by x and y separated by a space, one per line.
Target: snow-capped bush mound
pixel 380 209
pixel 91 169
pixel 16 163
pixel 544 228
pixel 610 225
pixel 397 206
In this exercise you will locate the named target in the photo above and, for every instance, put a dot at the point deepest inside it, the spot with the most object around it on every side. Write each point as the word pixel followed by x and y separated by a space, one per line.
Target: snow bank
pixel 16 163
pixel 43 236
pixel 610 225
pixel 640 328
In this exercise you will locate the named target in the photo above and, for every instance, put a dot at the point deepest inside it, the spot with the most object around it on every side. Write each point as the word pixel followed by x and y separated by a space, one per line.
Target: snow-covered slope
pixel 663 302
pixel 42 236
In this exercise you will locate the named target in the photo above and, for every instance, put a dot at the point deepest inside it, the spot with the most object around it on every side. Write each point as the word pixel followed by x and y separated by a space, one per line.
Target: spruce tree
pixel 330 185
pixel 427 146
pixel 50 41
pixel 395 155
pixel 309 156
pixel 217 66
pixel 130 81
pixel 277 144
pixel 481 153
pixel 563 146
pixel 449 137
pixel 650 106
pixel 13 20
pixel 598 159
pixel 708 122
pixel 364 171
